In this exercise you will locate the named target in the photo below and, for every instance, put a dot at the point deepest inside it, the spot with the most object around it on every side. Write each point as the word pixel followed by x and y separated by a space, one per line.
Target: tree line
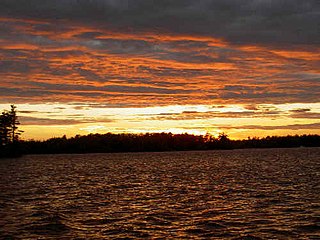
pixel 154 142
pixel 11 146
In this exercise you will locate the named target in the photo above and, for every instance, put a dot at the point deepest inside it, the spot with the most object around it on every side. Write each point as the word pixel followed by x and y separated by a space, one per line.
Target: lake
pixel 236 194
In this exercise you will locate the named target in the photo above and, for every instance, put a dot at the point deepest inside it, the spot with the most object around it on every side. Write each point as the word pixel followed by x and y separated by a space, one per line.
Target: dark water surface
pixel 239 194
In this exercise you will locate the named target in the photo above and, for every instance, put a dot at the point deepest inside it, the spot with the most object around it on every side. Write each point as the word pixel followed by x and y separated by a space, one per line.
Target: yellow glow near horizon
pixel 42 121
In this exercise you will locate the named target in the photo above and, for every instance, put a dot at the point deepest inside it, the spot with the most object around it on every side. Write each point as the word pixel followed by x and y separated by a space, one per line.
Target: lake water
pixel 236 194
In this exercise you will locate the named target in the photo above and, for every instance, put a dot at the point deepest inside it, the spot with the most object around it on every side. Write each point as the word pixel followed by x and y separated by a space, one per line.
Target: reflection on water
pixel 239 194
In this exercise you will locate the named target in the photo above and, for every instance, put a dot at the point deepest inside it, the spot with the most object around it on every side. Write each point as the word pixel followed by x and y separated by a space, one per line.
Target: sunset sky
pixel 243 67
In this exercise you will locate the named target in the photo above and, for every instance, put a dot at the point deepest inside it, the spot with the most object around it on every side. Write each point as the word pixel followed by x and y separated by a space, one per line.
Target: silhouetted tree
pixel 224 142
pixel 9 133
pixel 4 128
pixel 14 132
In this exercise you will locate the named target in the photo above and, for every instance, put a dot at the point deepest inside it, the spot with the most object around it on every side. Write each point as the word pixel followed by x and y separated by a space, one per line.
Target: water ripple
pixel 239 194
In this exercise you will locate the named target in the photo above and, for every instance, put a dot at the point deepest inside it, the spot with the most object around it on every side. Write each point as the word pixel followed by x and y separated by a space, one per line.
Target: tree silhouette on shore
pixel 9 133
pixel 11 146
pixel 158 142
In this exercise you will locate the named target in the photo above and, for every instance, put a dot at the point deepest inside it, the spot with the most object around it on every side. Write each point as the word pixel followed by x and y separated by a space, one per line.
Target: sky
pixel 243 67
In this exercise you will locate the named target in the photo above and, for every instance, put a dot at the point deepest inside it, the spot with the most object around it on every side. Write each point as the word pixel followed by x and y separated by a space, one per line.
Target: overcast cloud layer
pixel 276 22
pixel 146 53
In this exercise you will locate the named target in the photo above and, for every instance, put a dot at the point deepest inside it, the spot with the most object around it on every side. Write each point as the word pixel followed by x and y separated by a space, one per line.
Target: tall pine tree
pixel 9 132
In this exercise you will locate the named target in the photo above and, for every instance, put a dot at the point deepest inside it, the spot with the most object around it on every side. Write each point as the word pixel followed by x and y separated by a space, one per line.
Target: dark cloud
pixel 8 66
pixel 52 121
pixel 290 127
pixel 192 115
pixel 173 72
pixel 86 89
pixel 28 111
pixel 242 88
pixel 55 92
pixel 122 46
pixel 88 35
pixel 261 127
pixel 304 95
pixel 305 113
pixel 300 110
pixel 187 57
pixel 275 22
pixel 47 121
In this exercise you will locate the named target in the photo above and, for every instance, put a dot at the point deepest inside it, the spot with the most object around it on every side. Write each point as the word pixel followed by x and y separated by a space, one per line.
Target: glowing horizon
pixel 42 121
